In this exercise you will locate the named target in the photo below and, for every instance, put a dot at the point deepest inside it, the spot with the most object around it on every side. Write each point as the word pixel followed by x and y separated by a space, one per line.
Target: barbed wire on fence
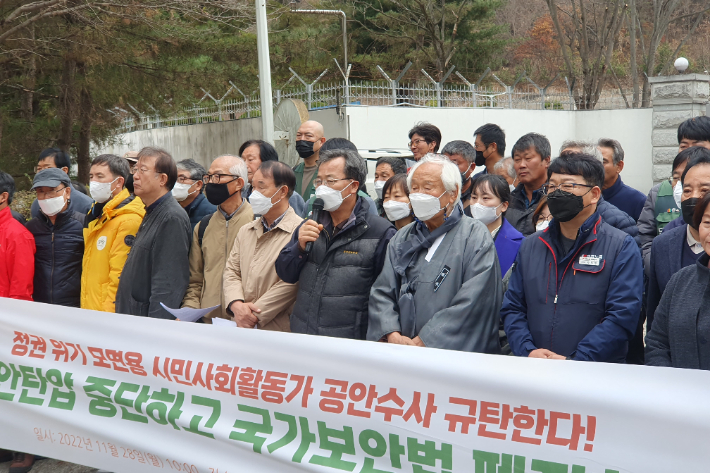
pixel 523 94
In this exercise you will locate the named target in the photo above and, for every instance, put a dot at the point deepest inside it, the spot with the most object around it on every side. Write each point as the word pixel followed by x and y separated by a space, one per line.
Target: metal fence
pixel 524 94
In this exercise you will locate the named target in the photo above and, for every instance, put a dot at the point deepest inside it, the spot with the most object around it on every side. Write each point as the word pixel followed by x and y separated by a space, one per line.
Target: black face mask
pixel 687 207
pixel 304 148
pixel 480 159
pixel 564 206
pixel 217 193
pixel 129 184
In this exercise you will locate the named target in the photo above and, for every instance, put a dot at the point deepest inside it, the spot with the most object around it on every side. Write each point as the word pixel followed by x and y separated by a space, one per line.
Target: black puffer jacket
pixel 60 249
pixel 617 218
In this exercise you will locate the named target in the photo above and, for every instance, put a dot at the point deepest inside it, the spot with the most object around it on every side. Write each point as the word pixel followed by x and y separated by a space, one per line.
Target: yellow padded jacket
pixel 107 241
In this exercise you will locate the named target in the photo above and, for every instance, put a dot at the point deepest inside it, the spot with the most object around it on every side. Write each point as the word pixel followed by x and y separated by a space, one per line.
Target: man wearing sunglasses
pixel 157 268
pixel 213 238
pixel 575 290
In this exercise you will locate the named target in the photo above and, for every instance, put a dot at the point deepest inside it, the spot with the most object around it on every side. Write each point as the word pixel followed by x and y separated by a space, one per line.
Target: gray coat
pixel 157 268
pixel 647 225
pixel 463 313
pixel 681 328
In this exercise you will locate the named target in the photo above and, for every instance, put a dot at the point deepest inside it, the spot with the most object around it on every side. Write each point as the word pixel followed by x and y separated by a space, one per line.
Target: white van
pixel 371 156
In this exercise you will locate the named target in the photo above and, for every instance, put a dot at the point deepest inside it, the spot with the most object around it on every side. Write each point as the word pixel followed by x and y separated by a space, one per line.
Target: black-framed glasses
pixel 567 187
pixel 219 178
pixel 328 182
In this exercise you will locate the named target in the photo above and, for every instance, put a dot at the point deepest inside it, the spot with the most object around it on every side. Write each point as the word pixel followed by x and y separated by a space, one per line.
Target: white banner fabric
pixel 131 394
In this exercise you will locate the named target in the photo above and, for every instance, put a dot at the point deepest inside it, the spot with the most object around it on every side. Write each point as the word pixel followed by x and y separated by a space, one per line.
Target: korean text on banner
pixel 135 394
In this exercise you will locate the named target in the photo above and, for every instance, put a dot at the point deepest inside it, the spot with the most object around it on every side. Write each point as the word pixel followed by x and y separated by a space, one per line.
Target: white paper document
pixel 187 314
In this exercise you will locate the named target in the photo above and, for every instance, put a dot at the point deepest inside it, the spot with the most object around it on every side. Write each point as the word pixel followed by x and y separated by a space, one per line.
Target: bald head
pixel 312 127
pixel 310 132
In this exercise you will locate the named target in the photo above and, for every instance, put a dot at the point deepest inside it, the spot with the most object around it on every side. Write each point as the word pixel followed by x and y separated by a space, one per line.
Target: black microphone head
pixel 318 204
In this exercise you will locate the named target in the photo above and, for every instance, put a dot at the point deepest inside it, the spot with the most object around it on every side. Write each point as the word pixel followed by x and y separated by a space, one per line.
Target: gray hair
pixel 450 174
pixel 506 163
pixel 462 148
pixel 355 167
pixel 615 147
pixel 239 168
pixel 195 169
pixel 583 147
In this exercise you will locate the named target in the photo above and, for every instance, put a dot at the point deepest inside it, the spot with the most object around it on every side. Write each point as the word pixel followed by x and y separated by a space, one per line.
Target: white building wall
pixel 387 127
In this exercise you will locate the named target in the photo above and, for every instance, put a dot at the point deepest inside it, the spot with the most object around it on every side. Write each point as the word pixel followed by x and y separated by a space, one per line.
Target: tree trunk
pixel 30 81
pixel 84 148
pixel 632 51
pixel 66 104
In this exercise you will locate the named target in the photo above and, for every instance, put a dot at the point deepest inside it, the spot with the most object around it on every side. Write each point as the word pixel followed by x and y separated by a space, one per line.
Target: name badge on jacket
pixel 589 263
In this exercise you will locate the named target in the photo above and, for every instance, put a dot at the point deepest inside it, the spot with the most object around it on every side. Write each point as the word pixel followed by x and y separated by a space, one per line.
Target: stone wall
pixel 675 99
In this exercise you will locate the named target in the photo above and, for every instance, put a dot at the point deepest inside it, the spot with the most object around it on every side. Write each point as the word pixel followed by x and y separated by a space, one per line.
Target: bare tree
pixel 590 30
pixel 659 15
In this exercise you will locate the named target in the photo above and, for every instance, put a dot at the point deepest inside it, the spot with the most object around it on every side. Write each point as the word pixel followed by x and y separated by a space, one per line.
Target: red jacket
pixel 17 258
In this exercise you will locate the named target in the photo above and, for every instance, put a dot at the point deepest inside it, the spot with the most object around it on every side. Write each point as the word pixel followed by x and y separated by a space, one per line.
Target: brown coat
pixel 207 262
pixel 250 274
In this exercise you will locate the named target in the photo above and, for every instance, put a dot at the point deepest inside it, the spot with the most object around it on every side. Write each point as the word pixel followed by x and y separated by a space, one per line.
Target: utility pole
pixel 262 46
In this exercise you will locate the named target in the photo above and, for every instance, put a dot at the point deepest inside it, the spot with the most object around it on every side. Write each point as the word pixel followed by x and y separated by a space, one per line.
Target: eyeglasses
pixel 142 171
pixel 184 180
pixel 567 187
pixel 416 142
pixel 48 194
pixel 328 182
pixel 218 178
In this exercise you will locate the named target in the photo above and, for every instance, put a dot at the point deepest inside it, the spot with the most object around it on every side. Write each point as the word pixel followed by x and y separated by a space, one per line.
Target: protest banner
pixel 132 394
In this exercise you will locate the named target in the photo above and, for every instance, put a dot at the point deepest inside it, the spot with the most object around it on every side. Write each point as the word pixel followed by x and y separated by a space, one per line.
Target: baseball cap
pixel 51 177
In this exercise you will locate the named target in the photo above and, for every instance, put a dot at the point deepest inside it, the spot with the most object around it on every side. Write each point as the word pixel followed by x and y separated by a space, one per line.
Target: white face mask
pixel 512 187
pixel 485 214
pixel 51 207
pixel 542 225
pixel 260 204
pixel 332 199
pixel 425 206
pixel 100 191
pixel 678 193
pixel 396 210
pixel 379 185
pixel 180 191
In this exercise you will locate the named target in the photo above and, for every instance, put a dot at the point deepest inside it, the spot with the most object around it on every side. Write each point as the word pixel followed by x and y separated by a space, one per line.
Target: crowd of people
pixel 533 256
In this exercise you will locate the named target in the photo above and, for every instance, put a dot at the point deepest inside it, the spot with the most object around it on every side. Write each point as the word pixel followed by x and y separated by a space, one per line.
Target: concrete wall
pixel 387 127
pixel 202 142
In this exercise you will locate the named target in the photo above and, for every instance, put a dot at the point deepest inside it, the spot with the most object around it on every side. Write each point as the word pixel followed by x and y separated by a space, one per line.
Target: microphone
pixel 315 215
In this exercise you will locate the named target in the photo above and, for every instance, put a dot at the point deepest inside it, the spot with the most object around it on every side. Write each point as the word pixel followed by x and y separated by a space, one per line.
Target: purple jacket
pixel 507 242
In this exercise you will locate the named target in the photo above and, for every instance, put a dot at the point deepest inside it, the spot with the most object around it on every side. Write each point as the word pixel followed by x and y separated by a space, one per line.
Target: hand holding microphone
pixel 310 230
